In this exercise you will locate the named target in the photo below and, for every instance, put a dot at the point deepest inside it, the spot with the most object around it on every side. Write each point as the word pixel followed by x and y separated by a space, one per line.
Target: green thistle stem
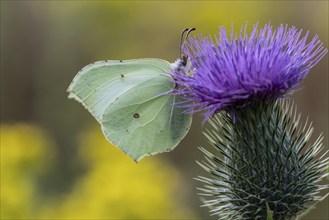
pixel 265 162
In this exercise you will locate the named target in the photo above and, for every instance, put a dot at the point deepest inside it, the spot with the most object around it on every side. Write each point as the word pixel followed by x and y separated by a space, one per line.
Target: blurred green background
pixel 55 163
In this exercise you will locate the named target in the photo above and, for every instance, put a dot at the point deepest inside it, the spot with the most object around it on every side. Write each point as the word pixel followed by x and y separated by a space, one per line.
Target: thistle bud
pixel 262 159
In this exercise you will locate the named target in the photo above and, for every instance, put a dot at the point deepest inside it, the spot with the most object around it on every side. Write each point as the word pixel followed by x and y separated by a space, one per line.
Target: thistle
pixel 262 161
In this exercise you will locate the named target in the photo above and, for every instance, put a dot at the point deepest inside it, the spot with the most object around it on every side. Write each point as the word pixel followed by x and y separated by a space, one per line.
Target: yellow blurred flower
pixel 116 187
pixel 113 186
pixel 26 152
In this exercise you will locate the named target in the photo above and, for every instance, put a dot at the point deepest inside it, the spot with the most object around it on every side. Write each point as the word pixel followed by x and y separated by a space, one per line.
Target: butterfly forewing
pixel 97 85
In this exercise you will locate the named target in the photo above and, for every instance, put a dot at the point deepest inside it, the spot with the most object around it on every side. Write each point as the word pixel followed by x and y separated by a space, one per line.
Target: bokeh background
pixel 55 162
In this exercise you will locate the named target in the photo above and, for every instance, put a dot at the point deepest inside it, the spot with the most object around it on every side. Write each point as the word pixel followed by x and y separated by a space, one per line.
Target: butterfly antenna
pixel 186 36
pixel 189 31
pixel 181 40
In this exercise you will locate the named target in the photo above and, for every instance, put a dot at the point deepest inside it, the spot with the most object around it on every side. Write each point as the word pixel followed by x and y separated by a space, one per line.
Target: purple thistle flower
pixel 244 69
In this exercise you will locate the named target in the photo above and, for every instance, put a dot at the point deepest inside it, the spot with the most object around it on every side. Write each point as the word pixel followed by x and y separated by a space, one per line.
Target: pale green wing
pixel 144 122
pixel 98 84
pixel 130 100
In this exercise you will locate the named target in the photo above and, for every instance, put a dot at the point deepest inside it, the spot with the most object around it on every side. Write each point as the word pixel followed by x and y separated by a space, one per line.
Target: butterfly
pixel 131 101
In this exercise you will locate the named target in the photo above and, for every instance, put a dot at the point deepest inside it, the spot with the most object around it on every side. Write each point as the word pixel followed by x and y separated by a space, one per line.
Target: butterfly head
pixel 183 64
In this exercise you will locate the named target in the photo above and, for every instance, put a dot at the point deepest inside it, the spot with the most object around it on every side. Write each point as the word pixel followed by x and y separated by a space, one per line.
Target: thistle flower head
pixel 230 72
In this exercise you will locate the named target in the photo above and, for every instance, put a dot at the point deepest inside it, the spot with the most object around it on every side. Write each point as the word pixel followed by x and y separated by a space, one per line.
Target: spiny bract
pixel 262 158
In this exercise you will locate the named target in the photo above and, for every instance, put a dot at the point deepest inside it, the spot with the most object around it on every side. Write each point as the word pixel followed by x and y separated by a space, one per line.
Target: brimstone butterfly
pixel 132 102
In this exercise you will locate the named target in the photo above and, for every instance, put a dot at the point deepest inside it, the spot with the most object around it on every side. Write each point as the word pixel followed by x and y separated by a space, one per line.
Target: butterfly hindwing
pixel 144 121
